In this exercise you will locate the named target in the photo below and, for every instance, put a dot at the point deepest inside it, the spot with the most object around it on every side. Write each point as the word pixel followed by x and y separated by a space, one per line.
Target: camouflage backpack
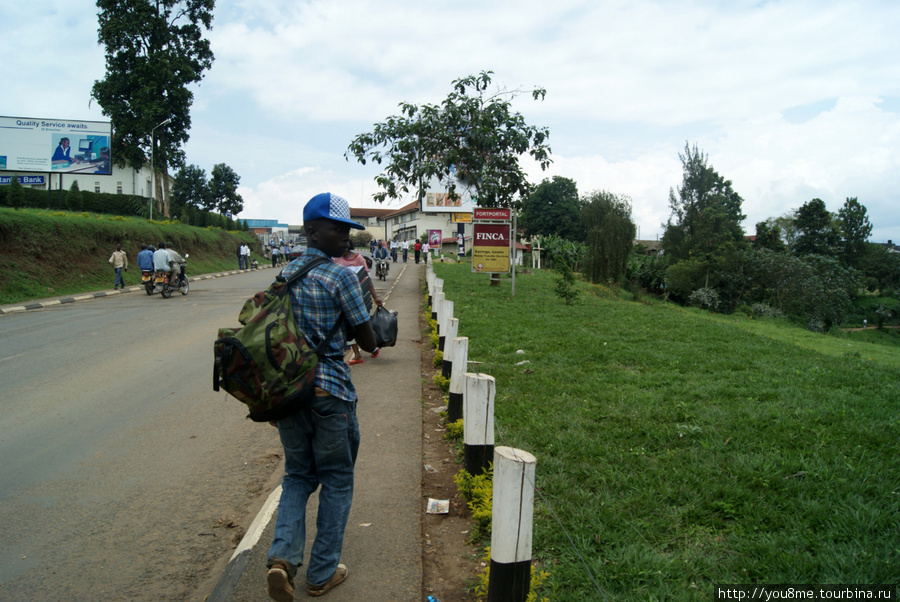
pixel 268 364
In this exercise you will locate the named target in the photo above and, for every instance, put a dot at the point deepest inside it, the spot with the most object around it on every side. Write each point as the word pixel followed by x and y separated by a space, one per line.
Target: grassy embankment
pixel 47 253
pixel 681 449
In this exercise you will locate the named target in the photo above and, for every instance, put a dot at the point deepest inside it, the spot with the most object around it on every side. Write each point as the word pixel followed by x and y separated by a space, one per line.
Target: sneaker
pixel 356 361
pixel 340 575
pixel 376 352
pixel 281 586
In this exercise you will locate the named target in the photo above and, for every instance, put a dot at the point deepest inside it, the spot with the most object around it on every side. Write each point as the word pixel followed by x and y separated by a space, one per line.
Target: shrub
pixel 705 298
pixel 478 491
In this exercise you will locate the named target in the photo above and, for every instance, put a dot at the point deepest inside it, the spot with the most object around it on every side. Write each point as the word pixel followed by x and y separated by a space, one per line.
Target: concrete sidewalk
pixel 382 544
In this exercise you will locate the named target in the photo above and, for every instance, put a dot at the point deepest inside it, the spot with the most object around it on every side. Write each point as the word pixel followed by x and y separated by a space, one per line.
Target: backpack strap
pixel 290 280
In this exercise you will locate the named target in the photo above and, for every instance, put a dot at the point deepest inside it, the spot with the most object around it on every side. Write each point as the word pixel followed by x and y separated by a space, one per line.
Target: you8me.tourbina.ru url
pixel 805 592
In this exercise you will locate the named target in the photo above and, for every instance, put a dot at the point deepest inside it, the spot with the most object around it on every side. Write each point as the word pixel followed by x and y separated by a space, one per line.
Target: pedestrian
pixel 404 248
pixel 425 249
pixel 240 256
pixel 395 246
pixel 119 261
pixel 354 261
pixel 321 441
pixel 276 256
pixel 245 256
pixel 417 247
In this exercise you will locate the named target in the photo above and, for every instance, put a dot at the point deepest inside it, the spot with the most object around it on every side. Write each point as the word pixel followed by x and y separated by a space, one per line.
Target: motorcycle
pixel 381 268
pixel 168 282
pixel 147 281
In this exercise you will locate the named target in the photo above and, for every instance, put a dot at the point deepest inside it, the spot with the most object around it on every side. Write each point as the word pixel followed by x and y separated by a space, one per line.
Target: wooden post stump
pixel 478 422
pixel 511 525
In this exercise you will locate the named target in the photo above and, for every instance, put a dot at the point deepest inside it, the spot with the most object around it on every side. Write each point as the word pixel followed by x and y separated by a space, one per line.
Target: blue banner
pixel 24 180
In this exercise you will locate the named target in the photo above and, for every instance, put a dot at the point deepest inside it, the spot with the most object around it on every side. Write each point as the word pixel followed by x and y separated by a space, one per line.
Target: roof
pixel 414 206
pixel 369 212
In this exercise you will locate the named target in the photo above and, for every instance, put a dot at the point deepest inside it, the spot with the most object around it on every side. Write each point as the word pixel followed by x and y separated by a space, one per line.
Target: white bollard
pixel 445 314
pixel 447 346
pixel 511 525
pixel 478 422
pixel 460 353
pixel 436 300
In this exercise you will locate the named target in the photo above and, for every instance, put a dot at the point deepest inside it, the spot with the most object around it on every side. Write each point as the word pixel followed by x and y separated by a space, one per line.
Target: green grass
pixel 681 449
pixel 49 253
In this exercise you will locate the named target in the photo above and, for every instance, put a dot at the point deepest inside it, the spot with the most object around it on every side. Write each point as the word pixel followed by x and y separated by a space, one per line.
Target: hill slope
pixel 46 253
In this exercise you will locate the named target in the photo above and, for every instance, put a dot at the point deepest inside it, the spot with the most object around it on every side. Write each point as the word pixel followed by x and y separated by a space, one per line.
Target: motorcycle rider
pixel 381 254
pixel 177 262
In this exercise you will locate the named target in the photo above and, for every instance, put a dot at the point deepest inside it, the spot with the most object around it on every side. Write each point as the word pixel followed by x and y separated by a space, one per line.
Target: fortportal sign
pixel 492 241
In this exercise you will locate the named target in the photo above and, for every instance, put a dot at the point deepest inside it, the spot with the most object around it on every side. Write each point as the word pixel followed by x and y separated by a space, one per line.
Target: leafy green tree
pixel 15 196
pixel 154 51
pixel 606 219
pixel 768 236
pixel 553 208
pixel 855 230
pixel 882 265
pixel 565 286
pixel 472 138
pixel 223 194
pixel 74 198
pixel 190 188
pixel 817 234
pixel 706 213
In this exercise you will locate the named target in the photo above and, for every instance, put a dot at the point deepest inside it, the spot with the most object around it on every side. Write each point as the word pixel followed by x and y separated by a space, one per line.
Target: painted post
pixel 435 302
pixel 511 525
pixel 478 422
pixel 447 346
pixel 444 316
pixel 460 353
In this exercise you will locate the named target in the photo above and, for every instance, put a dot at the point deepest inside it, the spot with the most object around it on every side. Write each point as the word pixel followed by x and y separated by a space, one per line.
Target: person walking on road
pixel 320 442
pixel 119 261
pixel 353 260
pixel 417 247
pixel 404 248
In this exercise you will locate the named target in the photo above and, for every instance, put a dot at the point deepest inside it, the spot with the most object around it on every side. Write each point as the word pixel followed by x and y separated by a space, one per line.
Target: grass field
pixel 680 449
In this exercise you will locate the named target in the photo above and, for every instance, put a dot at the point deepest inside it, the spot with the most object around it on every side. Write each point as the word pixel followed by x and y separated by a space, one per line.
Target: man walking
pixel 321 441
pixel 119 261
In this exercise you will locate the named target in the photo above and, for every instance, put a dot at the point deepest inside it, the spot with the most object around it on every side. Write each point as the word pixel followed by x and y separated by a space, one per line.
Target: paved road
pixel 122 474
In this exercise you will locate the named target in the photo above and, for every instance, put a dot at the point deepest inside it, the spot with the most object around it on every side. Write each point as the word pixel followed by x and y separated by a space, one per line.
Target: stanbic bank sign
pixel 490 248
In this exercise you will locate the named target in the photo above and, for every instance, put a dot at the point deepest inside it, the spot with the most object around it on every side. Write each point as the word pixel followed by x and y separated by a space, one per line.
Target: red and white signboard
pixel 485 214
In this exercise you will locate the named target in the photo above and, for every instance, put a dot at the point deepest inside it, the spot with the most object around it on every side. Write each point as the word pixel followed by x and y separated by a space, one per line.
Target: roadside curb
pixel 11 309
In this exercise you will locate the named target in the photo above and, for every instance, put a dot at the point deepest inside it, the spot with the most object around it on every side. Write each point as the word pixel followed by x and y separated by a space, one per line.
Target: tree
pixel 15 196
pixel 223 194
pixel 817 234
pixel 553 208
pixel 190 189
pixel 855 230
pixel 154 51
pixel 706 214
pixel 471 138
pixel 768 236
pixel 606 218
pixel 74 198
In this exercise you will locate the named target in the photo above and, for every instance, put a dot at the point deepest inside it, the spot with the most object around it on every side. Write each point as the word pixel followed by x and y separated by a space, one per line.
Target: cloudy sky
pixel 790 99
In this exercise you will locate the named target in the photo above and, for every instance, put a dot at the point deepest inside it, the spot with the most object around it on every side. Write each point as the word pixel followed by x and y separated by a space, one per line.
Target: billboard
pixel 491 247
pixel 55 145
pixel 437 198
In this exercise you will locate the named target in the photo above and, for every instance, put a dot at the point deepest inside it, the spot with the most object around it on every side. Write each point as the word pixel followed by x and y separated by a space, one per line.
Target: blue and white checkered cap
pixel 329 206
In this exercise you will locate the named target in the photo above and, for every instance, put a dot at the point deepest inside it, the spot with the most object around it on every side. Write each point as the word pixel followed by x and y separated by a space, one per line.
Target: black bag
pixel 384 324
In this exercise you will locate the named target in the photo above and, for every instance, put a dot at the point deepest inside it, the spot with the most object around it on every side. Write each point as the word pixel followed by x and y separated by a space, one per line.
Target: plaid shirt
pixel 318 301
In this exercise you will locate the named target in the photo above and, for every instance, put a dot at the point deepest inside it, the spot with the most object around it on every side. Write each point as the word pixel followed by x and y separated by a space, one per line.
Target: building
pixel 410 223
pixel 122 180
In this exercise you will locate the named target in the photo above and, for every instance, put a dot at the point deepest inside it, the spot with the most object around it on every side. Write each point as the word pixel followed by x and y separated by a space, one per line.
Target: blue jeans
pixel 320 447
pixel 119 279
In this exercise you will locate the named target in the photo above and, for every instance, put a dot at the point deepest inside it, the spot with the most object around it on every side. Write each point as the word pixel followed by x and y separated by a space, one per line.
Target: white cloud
pixel 628 83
